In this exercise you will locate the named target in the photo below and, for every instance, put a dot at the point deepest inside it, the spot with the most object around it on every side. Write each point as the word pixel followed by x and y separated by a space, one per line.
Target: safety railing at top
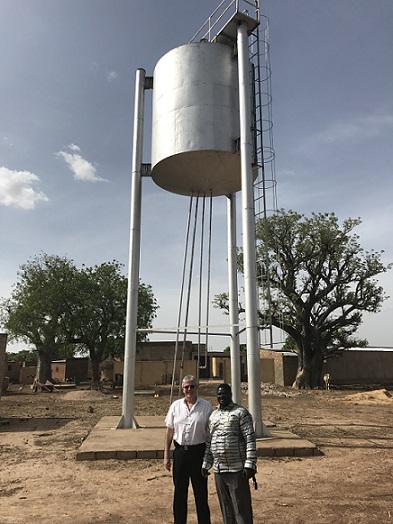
pixel 223 13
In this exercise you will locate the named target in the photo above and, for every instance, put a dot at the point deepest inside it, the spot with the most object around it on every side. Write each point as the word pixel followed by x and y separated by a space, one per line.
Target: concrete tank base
pixel 106 442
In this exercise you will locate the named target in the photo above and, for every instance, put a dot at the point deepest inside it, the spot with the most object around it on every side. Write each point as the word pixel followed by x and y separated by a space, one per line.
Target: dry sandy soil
pixel 40 481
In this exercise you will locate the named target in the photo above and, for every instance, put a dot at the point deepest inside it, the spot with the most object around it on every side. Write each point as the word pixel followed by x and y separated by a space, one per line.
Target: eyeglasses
pixel 189 387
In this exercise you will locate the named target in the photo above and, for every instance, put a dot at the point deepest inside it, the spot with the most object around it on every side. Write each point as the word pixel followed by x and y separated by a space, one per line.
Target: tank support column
pixel 248 221
pixel 127 420
pixel 233 301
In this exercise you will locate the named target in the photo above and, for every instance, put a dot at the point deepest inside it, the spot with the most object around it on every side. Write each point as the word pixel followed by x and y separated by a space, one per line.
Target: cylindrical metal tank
pixel 196 120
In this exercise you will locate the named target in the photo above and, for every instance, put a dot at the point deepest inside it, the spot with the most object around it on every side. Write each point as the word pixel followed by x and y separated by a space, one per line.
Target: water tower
pixel 202 144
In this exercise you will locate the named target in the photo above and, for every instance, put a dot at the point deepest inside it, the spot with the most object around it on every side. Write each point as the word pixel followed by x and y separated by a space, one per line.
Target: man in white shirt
pixel 187 422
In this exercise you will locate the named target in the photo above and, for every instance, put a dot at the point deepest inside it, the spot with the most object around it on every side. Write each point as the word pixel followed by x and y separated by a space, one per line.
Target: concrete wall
pixel 221 368
pixel 361 367
pixel 13 370
pixel 352 367
pixel 154 372
pixel 163 351
pixel 148 373
pixel 27 374
pixel 217 367
pixel 285 366
pixel 267 370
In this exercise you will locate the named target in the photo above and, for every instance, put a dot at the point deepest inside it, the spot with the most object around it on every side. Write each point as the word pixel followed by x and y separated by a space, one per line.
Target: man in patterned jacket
pixel 231 450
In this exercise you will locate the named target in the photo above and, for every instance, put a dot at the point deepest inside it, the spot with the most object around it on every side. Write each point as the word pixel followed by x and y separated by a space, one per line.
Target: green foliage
pixel 25 355
pixel 100 312
pixel 289 344
pixel 40 306
pixel 242 347
pixel 147 308
pixel 62 310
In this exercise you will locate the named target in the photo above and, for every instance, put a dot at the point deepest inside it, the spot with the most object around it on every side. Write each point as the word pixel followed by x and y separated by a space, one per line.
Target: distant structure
pixel 204 144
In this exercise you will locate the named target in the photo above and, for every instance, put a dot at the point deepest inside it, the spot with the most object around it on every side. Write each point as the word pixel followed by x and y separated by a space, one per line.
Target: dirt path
pixel 40 481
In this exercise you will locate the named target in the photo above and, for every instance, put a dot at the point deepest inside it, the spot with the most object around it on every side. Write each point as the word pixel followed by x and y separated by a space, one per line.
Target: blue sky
pixel 66 118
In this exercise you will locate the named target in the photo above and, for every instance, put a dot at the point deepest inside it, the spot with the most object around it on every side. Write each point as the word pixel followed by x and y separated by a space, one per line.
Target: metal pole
pixel 127 420
pixel 248 218
pixel 233 301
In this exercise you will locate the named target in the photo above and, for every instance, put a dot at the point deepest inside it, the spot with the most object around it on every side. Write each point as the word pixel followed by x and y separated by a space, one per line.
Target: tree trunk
pixel 310 364
pixel 95 382
pixel 316 369
pixel 302 380
pixel 44 368
pixel 309 371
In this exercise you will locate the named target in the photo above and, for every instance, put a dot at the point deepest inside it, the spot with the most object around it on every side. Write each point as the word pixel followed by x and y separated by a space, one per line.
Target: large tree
pixel 40 308
pixel 318 281
pixel 62 310
pixel 100 311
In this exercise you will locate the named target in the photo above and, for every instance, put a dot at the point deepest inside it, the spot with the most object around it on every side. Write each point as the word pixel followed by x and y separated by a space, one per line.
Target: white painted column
pixel 248 218
pixel 233 301
pixel 127 420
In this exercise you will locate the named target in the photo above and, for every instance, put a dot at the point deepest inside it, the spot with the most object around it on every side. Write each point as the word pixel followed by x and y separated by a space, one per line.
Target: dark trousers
pixel 234 495
pixel 187 464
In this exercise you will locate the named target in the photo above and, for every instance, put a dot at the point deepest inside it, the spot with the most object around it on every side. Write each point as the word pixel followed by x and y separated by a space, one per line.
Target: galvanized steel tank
pixel 196 120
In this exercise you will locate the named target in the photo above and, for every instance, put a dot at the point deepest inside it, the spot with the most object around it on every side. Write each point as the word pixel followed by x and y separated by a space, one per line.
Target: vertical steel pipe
pixel 128 420
pixel 233 301
pixel 248 218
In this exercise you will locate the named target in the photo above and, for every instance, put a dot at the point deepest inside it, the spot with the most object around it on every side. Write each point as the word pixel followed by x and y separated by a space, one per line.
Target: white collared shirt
pixel 190 425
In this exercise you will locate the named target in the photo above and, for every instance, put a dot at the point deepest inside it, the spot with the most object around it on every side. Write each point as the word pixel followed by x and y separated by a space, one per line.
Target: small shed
pixel 70 370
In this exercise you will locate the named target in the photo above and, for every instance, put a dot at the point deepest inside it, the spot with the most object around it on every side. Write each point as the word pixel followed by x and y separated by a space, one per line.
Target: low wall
pixel 350 368
pixel 148 373
pixel 13 371
pixel 155 372
pixel 284 367
pixel 361 367
pixel 164 350
pixel 27 374
pixel 266 367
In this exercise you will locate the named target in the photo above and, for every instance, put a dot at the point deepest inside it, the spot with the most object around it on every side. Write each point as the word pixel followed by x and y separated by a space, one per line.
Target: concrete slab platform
pixel 106 442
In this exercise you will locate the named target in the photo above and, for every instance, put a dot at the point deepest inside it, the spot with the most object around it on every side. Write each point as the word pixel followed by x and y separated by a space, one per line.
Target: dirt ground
pixel 40 481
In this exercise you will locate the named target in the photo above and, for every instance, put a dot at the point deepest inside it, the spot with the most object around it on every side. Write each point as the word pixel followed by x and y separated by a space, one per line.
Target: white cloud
pixel 357 128
pixel 16 189
pixel 111 75
pixel 74 147
pixel 7 141
pixel 82 168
